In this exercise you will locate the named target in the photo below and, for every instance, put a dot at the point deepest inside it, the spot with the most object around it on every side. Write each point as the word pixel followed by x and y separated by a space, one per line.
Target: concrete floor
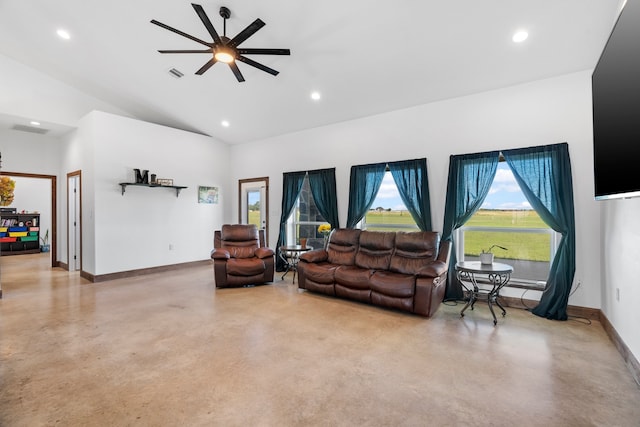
pixel 170 349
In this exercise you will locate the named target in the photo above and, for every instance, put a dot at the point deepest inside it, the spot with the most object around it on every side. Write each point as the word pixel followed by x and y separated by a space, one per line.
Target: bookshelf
pixel 19 233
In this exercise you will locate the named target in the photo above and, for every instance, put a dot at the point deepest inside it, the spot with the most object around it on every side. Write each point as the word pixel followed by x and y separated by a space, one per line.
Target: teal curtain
pixel 544 175
pixel 410 177
pixel 323 189
pixel 364 184
pixel 470 178
pixel 291 186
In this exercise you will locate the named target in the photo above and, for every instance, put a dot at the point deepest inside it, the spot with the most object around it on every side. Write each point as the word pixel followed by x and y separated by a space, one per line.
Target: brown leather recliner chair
pixel 240 256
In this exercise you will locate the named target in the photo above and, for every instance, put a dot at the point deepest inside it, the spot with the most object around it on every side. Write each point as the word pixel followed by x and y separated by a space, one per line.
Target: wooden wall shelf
pixel 176 187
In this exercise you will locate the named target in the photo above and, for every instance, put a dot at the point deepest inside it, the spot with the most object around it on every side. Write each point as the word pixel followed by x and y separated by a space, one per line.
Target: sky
pixel 504 193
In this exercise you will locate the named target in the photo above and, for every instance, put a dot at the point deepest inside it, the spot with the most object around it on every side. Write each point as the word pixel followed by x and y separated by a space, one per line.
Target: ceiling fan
pixel 224 49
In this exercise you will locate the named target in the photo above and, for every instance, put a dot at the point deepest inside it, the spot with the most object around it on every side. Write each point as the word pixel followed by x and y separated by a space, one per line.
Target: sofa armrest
pixel 264 252
pixel 316 255
pixel 434 269
pixel 220 254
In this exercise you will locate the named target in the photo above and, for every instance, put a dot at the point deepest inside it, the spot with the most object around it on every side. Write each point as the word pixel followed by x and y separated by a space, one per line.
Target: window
pixel 507 219
pixel 305 219
pixel 388 212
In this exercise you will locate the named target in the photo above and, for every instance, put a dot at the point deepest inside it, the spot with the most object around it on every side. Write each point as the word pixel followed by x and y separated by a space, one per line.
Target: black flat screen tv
pixel 616 109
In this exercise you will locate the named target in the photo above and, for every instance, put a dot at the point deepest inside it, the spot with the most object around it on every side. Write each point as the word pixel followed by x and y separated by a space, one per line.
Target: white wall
pixel 29 152
pixel 539 113
pixel 30 93
pixel 620 257
pixel 135 230
pixel 77 155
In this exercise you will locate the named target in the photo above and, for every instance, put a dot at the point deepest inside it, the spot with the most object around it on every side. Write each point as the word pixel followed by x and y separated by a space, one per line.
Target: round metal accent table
pixel 497 276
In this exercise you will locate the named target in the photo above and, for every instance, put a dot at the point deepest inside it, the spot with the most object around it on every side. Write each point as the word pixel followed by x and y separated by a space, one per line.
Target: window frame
pixel 515 282
pixel 364 225
pixel 293 223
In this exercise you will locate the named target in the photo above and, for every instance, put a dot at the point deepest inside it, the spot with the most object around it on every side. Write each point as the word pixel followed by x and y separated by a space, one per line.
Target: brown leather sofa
pixel 398 270
pixel 240 256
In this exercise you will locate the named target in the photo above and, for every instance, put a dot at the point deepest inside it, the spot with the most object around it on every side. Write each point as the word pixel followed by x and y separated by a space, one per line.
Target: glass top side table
pixel 497 274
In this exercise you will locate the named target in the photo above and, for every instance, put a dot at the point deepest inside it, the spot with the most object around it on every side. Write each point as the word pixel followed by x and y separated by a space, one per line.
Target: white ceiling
pixel 364 57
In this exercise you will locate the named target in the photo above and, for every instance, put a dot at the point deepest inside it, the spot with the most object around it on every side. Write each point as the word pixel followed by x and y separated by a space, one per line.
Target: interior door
pixel 253 197
pixel 73 225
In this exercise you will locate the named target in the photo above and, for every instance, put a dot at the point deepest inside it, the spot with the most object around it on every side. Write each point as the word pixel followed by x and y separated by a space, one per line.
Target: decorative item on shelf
pixel 486 257
pixel 7 185
pixel 325 230
pixel 45 242
pixel 164 181
pixel 142 178
pixel 152 180
pixel 303 242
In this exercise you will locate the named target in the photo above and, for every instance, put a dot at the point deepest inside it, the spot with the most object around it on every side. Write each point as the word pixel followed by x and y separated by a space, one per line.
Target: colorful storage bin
pixel 34 228
pixel 17 233
pixel 29 239
pixel 3 229
pixel 8 239
pixel 17 228
pixel 33 233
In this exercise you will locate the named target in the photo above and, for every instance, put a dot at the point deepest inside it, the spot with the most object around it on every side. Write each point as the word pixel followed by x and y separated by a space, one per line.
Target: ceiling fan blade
pixel 210 50
pixel 207 23
pixel 246 33
pixel 249 51
pixel 183 34
pixel 206 66
pixel 257 65
pixel 236 71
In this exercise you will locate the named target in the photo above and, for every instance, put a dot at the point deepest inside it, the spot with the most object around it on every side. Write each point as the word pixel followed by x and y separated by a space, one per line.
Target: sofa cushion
pixel 245 266
pixel 343 245
pixel 240 233
pixel 241 251
pixel 393 284
pixel 240 240
pixel 375 250
pixel 414 251
pixel 353 277
pixel 318 273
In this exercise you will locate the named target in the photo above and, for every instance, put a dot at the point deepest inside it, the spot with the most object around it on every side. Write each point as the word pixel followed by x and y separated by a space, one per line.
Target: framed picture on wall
pixel 208 195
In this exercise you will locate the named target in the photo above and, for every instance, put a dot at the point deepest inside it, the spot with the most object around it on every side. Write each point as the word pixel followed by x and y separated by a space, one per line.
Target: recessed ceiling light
pixel 315 96
pixel 63 34
pixel 33 122
pixel 520 36
pixel 225 123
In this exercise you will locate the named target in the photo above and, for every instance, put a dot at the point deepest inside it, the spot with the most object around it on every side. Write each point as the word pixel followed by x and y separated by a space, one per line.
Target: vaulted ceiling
pixel 363 57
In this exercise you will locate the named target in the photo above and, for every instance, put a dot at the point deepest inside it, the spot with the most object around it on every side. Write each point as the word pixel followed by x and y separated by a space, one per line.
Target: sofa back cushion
pixel 376 248
pixel 343 245
pixel 240 240
pixel 414 250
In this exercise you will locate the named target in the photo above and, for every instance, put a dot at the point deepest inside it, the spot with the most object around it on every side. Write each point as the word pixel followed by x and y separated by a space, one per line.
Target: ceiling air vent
pixel 31 129
pixel 175 73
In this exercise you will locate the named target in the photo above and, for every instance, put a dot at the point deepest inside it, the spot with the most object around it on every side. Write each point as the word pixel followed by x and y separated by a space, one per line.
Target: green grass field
pixel 254 218
pixel 525 246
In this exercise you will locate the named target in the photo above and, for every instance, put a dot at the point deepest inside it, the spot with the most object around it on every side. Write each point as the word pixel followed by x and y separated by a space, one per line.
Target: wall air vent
pixel 31 129
pixel 175 73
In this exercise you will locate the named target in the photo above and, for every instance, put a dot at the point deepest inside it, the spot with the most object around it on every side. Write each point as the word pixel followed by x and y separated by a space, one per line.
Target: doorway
pixel 253 201
pixel 53 221
pixel 74 221
pixel 54 218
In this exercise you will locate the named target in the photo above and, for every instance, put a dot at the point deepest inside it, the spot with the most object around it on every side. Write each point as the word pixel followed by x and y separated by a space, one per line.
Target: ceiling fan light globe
pixel 224 56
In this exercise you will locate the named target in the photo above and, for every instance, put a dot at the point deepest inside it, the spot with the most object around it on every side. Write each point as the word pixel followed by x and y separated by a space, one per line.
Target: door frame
pixel 54 209
pixel 77 173
pixel 266 195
